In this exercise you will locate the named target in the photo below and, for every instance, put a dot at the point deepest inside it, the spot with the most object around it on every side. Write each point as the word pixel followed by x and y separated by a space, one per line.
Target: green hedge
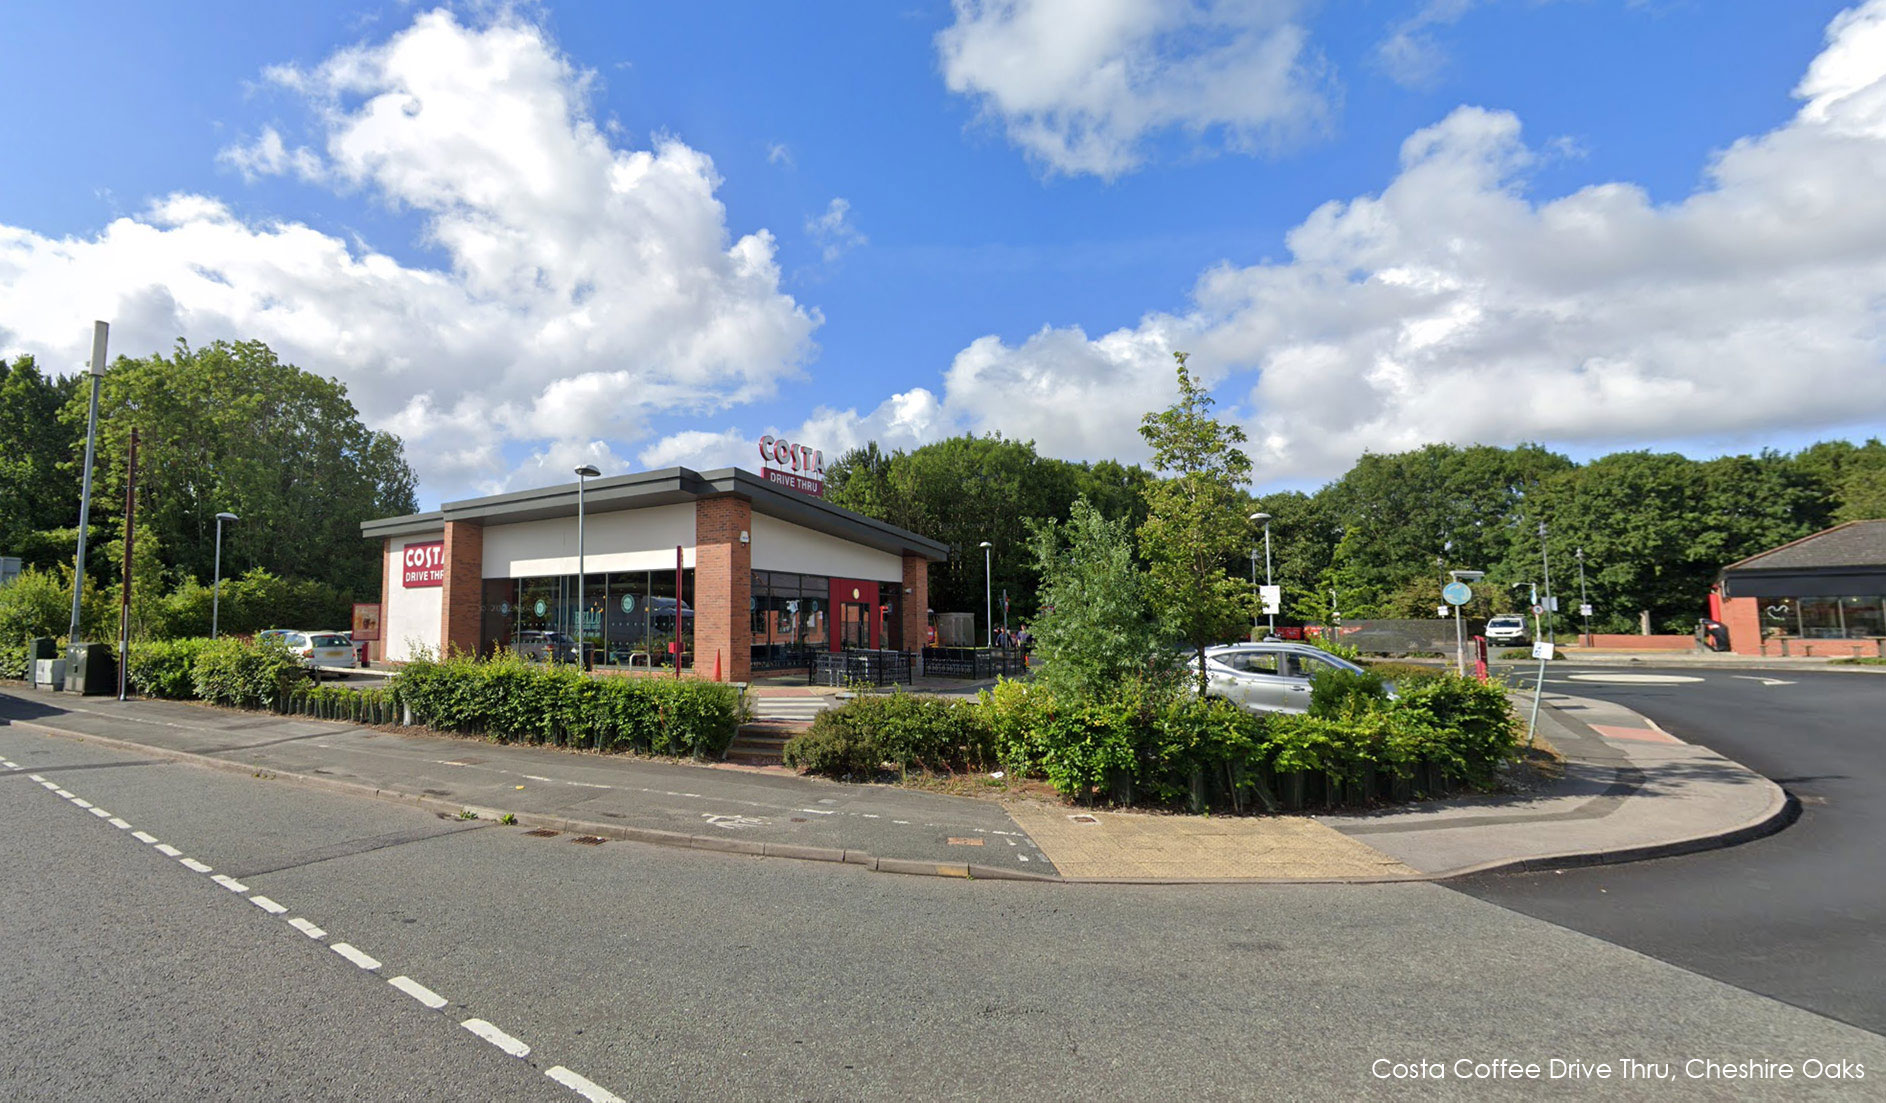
pixel 165 668
pixel 507 699
pixel 1145 746
pixel 13 660
pixel 246 675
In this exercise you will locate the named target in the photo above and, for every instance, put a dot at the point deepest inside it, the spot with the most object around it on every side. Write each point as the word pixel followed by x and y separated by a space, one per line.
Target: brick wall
pixel 723 588
pixel 1627 642
pixel 916 602
pixel 1743 617
pixel 461 618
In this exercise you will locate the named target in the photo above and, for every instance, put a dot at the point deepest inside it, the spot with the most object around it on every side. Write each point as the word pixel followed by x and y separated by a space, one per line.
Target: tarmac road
pixel 659 973
pixel 1800 915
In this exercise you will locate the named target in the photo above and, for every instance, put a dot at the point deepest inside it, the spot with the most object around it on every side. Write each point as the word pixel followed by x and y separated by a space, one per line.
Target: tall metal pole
pixel 1267 578
pixel 988 594
pixel 130 532
pixel 582 643
pixel 1545 564
pixel 216 579
pixel 100 331
pixel 1584 603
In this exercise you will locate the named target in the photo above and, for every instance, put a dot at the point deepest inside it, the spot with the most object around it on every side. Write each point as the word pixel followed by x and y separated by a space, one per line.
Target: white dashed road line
pixel 267 905
pixel 355 956
pixel 120 824
pixel 193 864
pixel 496 1037
pixel 169 851
pixel 230 883
pixel 583 1086
pixel 145 837
pixel 77 803
pixel 61 792
pixel 307 928
pixel 99 812
pixel 418 991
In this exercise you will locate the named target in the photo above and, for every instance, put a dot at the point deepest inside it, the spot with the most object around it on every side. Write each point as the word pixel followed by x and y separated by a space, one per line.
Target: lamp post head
pixel 985 544
pixel 588 471
pixel 227 517
pixel 1261 518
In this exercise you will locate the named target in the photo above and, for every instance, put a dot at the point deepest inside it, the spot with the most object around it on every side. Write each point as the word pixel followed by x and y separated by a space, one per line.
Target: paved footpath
pixel 1629 790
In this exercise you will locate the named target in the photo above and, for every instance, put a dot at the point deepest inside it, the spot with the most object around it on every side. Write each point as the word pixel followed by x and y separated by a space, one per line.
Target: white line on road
pixel 1764 681
pixel 36 777
pixel 230 883
pixel 307 928
pixel 100 812
pixel 119 824
pixel 1637 679
pixel 169 851
pixel 355 956
pixel 61 792
pixel 496 1037
pixel 593 785
pixel 144 837
pixel 77 803
pixel 193 864
pixel 53 785
pixel 418 991
pixel 267 905
pixel 534 777
pixel 582 1085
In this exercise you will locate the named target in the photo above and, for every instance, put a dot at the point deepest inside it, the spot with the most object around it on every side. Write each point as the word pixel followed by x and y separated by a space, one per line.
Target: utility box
pixel 91 669
pixel 48 673
pixel 40 651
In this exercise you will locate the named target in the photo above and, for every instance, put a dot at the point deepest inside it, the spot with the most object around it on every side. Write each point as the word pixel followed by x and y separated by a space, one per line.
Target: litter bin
pixel 91 669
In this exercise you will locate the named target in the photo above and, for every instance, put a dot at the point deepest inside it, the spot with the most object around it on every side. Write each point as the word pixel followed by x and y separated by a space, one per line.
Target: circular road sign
pixel 1457 593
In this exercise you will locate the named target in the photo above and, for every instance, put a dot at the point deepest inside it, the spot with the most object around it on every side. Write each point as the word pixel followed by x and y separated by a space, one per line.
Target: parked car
pixel 1268 677
pixel 544 647
pixel 316 648
pixel 1507 628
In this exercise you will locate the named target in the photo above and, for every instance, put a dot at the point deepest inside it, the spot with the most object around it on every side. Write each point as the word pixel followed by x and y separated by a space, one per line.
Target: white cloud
pixel 586 286
pixel 834 232
pixel 1410 55
pixel 1081 85
pixel 779 153
pixel 1452 306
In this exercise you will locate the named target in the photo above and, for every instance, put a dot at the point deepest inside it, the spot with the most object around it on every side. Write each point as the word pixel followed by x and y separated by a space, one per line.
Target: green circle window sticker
pixel 539 607
pixel 628 603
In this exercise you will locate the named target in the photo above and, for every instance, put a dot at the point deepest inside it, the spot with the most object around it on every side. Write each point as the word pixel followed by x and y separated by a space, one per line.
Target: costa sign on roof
pixel 423 564
pixel 793 465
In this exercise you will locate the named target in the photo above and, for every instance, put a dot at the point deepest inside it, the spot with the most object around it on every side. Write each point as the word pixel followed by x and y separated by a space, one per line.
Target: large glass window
pixel 1864 616
pixel 629 618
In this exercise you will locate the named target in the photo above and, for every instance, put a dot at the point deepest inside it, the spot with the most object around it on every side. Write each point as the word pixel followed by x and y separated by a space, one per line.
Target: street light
pixel 216 578
pixel 1584 603
pixel 988 593
pixel 100 331
pixel 583 474
pixel 1264 518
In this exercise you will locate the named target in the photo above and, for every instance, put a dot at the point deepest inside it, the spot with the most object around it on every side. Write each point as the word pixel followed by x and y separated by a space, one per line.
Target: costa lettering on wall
pixel 793 465
pixel 423 565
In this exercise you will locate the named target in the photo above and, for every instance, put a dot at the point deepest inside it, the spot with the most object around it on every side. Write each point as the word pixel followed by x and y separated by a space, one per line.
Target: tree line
pixel 1654 528
pixel 228 427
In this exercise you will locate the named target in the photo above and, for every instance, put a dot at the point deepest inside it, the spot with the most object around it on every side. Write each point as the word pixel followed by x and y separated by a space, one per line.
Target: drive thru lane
pixel 1800 915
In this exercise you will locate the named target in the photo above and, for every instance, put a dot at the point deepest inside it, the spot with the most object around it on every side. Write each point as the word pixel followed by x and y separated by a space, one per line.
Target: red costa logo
pixel 796 457
pixel 423 564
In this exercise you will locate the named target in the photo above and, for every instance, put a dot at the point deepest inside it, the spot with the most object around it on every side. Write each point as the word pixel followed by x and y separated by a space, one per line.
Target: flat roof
pixel 668 486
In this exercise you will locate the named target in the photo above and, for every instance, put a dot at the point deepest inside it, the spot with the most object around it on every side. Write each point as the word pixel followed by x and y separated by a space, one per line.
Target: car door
pixel 1273 687
pixel 1301 669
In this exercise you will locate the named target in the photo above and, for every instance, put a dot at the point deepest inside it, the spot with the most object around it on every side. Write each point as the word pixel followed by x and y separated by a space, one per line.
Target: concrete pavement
pixel 1630 790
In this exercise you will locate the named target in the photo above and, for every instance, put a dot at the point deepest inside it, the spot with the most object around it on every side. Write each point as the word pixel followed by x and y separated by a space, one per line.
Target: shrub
pixel 1475 728
pixel 165 668
pixel 901 729
pixel 1335 691
pixel 13 659
pixel 505 699
pixel 246 675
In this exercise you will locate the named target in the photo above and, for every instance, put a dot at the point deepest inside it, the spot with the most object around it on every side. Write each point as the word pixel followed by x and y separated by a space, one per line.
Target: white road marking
pixel 355 956
pixel 496 1037
pixel 36 777
pixel 1637 679
pixel 144 837
pixel 593 785
pixel 307 928
pixel 61 792
pixel 9 765
pixel 53 785
pixel 534 777
pixel 1764 681
pixel 230 883
pixel 267 905
pixel 819 811
pixel 582 1085
pixel 418 991
pixel 119 824
pixel 169 851
pixel 906 823
pixel 100 812
pixel 1023 857
pixel 77 803
pixel 192 863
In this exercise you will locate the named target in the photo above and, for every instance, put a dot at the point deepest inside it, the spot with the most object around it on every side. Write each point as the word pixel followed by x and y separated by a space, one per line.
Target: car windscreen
pixel 329 641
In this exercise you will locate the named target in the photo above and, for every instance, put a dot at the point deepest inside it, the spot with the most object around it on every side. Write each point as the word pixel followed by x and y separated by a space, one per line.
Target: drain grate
pixel 1083 818
pixel 588 840
pixel 543 833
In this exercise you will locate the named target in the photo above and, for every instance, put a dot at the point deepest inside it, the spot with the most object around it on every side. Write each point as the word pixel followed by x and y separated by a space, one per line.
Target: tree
pixel 1094 631
pixel 1195 523
pixel 231 427
pixel 39 489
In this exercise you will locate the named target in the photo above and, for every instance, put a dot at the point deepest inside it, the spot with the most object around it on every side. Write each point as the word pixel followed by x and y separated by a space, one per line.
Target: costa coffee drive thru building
pixel 718 573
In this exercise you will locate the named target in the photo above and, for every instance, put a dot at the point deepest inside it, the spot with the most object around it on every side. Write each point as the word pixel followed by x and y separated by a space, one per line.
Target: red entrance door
pixel 853 624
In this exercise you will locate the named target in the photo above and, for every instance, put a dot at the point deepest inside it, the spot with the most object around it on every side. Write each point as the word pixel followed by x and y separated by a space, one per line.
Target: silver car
pixel 316 648
pixel 1268 677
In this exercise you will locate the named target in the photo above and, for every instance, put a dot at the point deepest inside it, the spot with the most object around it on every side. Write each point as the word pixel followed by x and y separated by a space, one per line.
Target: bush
pixel 505 699
pixel 246 675
pixel 165 668
pixel 13 659
pixel 899 729
pixel 1475 728
pixel 1335 692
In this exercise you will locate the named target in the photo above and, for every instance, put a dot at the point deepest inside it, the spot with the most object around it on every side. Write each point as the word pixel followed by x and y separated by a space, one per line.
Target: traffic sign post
pixel 1458 593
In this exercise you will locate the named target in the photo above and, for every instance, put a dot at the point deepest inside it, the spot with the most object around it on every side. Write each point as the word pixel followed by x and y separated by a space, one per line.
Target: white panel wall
pixel 621 540
pixel 410 617
pixel 783 546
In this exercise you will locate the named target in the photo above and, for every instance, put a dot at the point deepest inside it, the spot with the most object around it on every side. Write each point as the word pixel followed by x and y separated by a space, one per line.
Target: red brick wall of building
pixel 916 615
pixel 723 588
pixel 1743 617
pixel 464 586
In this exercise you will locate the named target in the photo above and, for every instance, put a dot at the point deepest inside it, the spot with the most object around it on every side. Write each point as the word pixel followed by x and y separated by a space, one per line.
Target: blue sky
pixel 644 234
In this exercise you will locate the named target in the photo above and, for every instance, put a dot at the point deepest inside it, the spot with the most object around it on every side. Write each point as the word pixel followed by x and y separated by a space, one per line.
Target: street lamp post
pixel 583 475
pixel 1545 565
pixel 100 331
pixel 988 593
pixel 216 577
pixel 1584 603
pixel 1265 519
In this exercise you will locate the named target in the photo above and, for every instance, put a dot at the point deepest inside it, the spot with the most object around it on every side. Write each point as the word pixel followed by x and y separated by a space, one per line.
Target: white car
pixel 316 648
pixel 1268 677
pixel 1507 628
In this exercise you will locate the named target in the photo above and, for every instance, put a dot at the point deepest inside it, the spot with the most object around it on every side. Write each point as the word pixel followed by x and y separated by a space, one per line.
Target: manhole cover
pixel 543 833
pixel 588 840
pixel 1083 818
pixel 965 842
